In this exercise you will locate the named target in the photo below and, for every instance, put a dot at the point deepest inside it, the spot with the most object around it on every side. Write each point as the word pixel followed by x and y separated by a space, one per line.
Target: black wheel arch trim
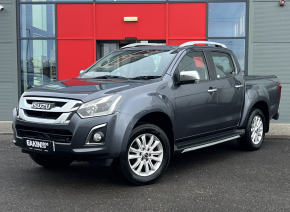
pixel 134 121
pixel 249 104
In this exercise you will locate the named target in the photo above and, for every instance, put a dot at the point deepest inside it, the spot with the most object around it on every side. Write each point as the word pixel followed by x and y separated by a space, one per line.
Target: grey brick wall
pixel 8 60
pixel 269 46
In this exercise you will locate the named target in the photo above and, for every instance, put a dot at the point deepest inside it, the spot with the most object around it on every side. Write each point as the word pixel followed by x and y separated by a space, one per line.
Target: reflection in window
pixel 107 48
pixel 227 19
pixel 37 20
pixel 194 61
pixel 223 64
pixel 237 46
pixel 37 63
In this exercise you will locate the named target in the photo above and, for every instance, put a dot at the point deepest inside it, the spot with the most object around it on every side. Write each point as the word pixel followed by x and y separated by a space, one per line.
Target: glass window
pixel 37 63
pixel 128 0
pixel 227 19
pixel 237 46
pixel 54 0
pixel 132 63
pixel 37 20
pixel 223 64
pixel 107 48
pixel 194 61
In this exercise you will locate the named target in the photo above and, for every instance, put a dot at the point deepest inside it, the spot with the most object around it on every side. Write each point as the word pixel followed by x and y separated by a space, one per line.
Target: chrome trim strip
pixel 212 90
pixel 210 144
pixel 91 132
pixel 239 86
pixel 60 120
pixel 46 99
pixel 67 107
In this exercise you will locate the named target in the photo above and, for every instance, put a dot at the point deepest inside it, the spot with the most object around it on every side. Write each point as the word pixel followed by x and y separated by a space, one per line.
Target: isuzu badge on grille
pixel 42 105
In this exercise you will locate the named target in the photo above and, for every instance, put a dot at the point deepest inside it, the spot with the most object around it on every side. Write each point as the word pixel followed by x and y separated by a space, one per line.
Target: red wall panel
pixel 179 42
pixel 75 34
pixel 73 56
pixel 75 21
pixel 80 25
pixel 187 21
pixel 110 23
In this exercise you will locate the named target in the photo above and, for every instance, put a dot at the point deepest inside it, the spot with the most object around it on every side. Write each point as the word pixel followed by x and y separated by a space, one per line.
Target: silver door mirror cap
pixel 81 72
pixel 186 76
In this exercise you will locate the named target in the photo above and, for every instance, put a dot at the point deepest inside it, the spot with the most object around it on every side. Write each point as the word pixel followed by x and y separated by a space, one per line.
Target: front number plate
pixel 38 145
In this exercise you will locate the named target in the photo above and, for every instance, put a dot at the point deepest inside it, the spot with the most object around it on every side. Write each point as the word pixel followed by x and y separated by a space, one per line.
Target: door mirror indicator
pixel 189 77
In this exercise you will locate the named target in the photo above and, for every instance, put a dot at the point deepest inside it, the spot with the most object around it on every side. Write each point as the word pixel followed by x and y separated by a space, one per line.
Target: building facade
pixel 42 41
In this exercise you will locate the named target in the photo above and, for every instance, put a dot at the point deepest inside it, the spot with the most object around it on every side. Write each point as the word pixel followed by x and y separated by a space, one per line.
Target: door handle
pixel 211 90
pixel 239 86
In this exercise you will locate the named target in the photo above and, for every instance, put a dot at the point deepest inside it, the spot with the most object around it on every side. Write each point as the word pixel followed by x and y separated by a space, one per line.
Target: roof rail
pixel 190 43
pixel 141 44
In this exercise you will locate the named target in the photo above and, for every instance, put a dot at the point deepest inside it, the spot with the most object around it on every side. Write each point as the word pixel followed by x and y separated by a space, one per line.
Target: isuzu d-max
pixel 136 107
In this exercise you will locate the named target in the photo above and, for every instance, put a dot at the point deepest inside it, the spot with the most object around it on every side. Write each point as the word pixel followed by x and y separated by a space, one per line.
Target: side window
pixel 194 61
pixel 223 64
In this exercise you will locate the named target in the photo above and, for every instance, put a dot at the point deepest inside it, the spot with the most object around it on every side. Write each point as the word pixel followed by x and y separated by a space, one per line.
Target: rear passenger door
pixel 230 93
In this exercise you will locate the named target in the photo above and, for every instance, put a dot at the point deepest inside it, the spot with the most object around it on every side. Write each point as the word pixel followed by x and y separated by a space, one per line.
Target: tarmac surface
pixel 217 178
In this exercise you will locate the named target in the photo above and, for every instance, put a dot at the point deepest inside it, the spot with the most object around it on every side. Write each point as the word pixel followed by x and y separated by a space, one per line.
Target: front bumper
pixel 116 128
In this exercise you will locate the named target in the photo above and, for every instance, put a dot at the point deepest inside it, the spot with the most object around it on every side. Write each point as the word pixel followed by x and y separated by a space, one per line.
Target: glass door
pixel 106 47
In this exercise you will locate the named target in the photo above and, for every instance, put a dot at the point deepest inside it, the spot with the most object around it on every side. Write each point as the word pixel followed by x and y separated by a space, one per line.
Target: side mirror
pixel 189 77
pixel 81 72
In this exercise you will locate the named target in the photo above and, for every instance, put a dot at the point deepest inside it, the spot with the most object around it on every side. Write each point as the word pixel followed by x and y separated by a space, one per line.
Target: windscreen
pixel 132 64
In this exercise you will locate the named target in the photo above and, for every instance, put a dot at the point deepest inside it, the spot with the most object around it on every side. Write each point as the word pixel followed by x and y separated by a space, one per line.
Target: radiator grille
pixel 42 114
pixel 57 135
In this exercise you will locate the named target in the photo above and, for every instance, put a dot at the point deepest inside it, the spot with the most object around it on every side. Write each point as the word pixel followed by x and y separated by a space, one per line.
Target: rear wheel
pixel 147 156
pixel 49 161
pixel 255 131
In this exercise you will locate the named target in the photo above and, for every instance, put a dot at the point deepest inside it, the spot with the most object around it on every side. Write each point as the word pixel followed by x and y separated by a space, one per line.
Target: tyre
pixel 49 161
pixel 255 131
pixel 147 156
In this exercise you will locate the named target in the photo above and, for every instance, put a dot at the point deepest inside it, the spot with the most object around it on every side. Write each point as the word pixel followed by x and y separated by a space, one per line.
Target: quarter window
pixel 223 64
pixel 194 61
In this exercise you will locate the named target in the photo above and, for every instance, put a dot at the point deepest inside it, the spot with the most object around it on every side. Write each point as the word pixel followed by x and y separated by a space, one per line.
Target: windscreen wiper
pixel 110 77
pixel 145 77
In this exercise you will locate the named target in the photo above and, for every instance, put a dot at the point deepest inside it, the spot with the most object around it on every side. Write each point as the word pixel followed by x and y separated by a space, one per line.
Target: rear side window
pixel 194 61
pixel 223 64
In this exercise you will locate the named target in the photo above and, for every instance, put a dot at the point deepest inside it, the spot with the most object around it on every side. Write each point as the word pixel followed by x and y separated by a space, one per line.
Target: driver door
pixel 196 101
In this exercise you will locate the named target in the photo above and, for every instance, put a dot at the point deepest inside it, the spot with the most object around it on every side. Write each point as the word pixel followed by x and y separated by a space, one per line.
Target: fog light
pixel 98 136
pixel 14 141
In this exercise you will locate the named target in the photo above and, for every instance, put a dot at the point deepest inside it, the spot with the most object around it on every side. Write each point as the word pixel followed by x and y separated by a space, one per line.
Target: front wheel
pixel 49 161
pixel 147 155
pixel 255 131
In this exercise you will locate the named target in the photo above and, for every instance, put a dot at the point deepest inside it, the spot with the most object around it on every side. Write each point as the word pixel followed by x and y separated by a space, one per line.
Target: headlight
pixel 100 107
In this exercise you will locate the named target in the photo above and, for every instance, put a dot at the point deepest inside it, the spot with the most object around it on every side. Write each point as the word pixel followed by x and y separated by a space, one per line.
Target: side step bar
pixel 210 144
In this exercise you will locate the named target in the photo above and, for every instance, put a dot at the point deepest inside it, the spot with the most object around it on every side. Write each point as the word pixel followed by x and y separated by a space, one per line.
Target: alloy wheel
pixel 257 129
pixel 145 154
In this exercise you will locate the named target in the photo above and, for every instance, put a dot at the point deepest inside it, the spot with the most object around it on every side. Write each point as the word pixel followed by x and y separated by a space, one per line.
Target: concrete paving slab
pixel 6 128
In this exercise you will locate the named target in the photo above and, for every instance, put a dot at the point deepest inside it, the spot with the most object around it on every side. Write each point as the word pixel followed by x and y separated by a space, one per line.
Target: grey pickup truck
pixel 138 106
